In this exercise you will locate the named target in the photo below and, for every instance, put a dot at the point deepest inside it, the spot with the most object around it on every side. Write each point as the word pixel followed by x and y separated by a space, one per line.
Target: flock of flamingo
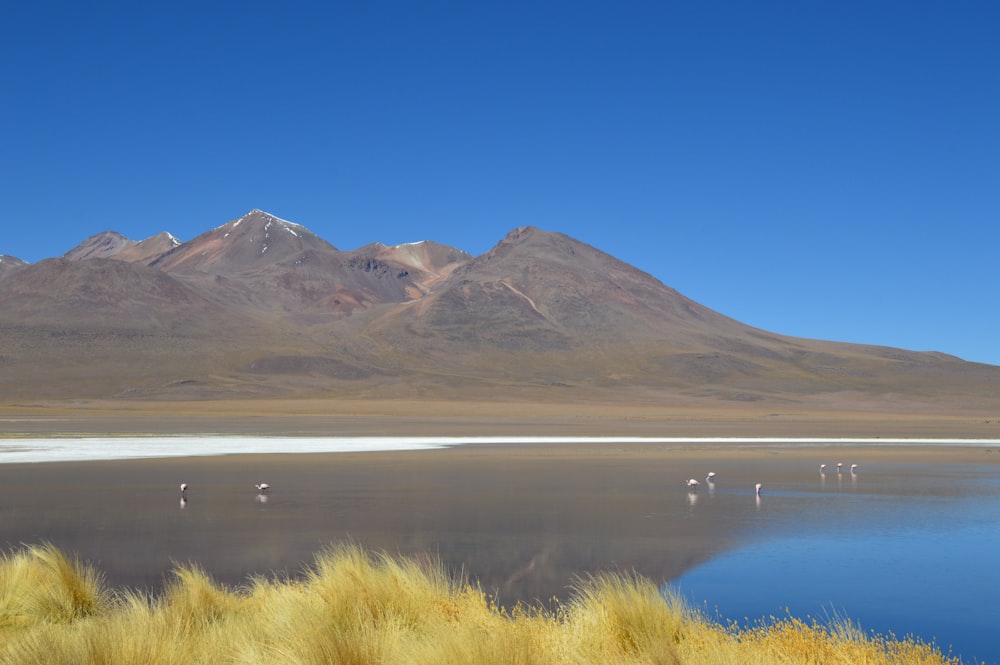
pixel 693 483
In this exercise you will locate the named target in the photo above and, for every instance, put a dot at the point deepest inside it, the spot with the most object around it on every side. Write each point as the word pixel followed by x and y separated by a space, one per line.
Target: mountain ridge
pixel 261 306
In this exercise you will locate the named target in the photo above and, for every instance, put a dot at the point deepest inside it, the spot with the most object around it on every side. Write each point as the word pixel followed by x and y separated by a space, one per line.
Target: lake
pixel 898 548
pixel 906 545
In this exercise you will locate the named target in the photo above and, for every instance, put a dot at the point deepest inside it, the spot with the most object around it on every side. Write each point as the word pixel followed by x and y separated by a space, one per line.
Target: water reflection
pixel 908 551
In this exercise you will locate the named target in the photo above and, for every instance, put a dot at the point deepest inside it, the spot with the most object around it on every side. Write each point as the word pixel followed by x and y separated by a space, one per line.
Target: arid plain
pixel 624 413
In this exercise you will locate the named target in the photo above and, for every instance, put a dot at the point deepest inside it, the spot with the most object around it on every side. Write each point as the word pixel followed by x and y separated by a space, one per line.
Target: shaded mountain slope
pixel 106 327
pixel 103 293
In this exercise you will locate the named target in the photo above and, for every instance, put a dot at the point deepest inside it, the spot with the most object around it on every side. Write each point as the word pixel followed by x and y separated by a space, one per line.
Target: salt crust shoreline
pixel 90 448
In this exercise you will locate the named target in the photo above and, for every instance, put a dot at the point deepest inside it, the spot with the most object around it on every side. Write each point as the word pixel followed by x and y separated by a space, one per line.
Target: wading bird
pixel 710 478
pixel 263 488
pixel 692 483
pixel 184 488
pixel 840 467
pixel 854 468
pixel 757 488
pixel 822 468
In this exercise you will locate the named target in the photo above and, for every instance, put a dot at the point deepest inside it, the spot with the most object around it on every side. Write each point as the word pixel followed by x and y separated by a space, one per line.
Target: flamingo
pixel 184 488
pixel 710 478
pixel 692 483
pixel 840 467
pixel 757 488
pixel 854 468
pixel 263 488
pixel 822 468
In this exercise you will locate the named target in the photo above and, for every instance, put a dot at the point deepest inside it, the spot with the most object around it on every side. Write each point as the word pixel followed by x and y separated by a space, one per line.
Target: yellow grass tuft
pixel 40 584
pixel 357 607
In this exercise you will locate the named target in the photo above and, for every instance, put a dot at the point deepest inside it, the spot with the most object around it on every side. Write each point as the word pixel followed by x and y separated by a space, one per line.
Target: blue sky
pixel 815 168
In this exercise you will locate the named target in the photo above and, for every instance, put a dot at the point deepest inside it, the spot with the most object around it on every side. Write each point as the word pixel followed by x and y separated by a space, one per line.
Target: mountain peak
pixel 101 246
pixel 527 240
pixel 9 263
pixel 149 249
pixel 255 239
pixel 521 233
pixel 265 217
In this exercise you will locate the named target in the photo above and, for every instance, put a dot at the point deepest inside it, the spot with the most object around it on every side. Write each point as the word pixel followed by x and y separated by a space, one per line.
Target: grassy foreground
pixel 354 606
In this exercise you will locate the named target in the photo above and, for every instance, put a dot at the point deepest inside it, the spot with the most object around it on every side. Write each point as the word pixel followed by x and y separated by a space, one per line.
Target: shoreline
pixel 33 449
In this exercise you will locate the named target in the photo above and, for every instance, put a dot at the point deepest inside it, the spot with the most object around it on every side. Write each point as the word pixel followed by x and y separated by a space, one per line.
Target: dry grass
pixel 357 607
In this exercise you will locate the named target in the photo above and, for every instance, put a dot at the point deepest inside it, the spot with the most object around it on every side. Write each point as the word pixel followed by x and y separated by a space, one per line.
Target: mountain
pixel 113 245
pixel 541 308
pixel 261 263
pixel 10 263
pixel 100 246
pixel 262 306
pixel 249 242
pixel 102 326
pixel 148 249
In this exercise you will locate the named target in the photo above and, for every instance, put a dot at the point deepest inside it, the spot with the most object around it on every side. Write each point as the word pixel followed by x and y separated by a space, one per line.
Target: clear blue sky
pixel 820 168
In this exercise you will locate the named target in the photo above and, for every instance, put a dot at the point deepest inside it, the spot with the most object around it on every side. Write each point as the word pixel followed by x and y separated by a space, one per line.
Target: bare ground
pixel 835 416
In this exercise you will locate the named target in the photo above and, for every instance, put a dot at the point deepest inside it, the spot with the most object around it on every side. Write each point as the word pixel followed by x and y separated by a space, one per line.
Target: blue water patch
pixel 922 566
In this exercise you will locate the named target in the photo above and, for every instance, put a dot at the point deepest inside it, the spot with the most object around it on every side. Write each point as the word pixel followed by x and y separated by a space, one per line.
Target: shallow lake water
pixel 898 547
pixel 906 550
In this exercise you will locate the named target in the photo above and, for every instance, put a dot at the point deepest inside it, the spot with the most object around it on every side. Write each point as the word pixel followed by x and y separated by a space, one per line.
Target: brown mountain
pixel 249 242
pixel 10 263
pixel 113 245
pixel 542 308
pixel 148 249
pixel 261 263
pixel 100 246
pixel 103 326
pixel 262 306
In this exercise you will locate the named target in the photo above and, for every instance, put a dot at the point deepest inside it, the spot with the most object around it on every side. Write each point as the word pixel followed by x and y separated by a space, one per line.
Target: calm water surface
pixel 900 548
pixel 907 550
